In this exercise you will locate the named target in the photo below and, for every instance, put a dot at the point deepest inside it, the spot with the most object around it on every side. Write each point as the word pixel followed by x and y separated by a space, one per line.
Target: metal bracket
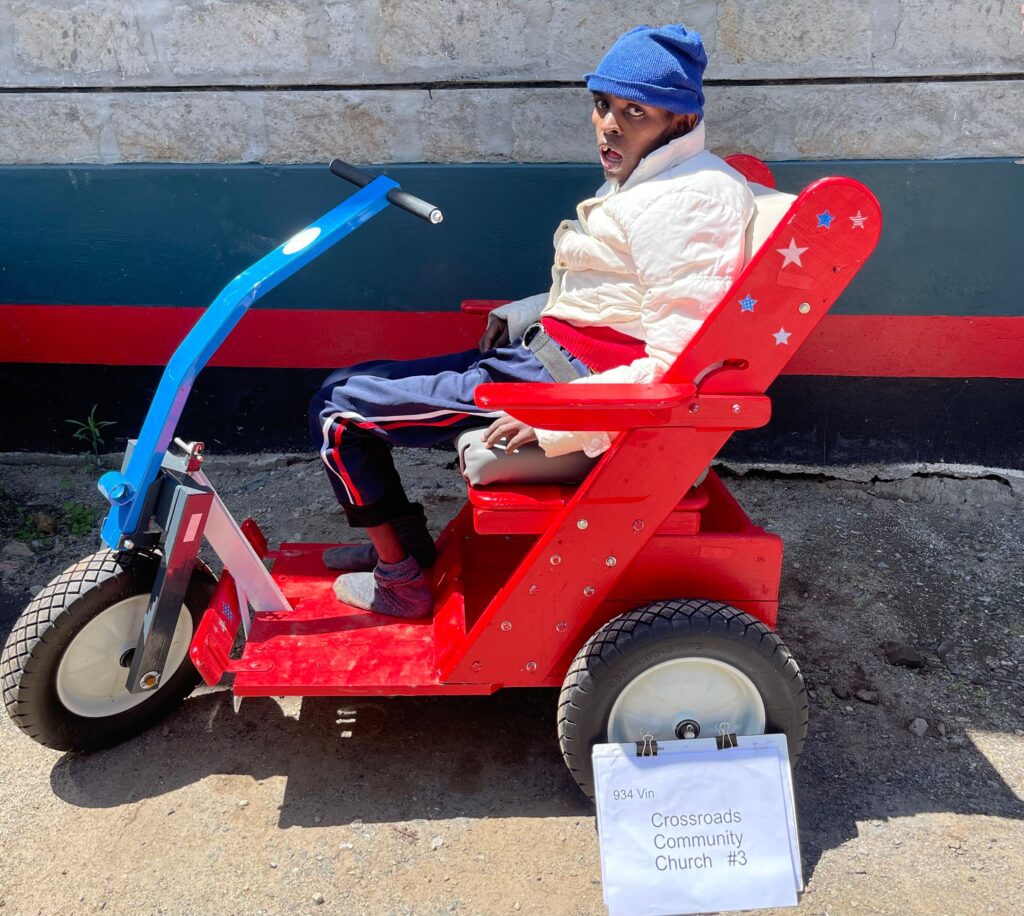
pixel 182 511
pixel 142 537
pixel 190 461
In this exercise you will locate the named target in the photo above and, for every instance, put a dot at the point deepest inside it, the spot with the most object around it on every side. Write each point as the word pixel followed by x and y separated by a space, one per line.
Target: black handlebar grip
pixel 350 173
pixel 402 199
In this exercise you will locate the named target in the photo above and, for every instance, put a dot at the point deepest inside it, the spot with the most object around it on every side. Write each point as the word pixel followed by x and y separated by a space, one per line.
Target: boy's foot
pixel 395 589
pixel 412 534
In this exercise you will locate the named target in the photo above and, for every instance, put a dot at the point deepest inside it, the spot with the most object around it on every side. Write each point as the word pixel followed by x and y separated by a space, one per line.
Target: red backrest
pixel 752 168
pixel 785 290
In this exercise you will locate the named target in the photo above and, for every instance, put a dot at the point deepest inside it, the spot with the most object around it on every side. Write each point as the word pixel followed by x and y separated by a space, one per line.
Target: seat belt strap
pixel 550 355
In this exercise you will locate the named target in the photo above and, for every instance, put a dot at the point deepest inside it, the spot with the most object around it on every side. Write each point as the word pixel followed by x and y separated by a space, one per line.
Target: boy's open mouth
pixel 610 159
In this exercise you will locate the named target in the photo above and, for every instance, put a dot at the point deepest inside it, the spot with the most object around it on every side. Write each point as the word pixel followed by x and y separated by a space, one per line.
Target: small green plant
pixel 31 531
pixel 80 518
pixel 27 532
pixel 90 431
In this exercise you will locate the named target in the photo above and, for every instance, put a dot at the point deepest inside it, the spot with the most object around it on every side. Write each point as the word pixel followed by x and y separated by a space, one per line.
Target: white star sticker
pixel 859 220
pixel 791 255
pixel 782 336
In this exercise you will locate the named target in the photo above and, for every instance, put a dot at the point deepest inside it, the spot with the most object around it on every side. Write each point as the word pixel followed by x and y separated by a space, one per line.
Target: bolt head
pixel 582 523
pixel 555 559
pixel 694 408
pixel 149 681
pixel 611 561
pixel 736 408
pixel 476 666
pixel 531 666
pixel 687 729
pixel 506 626
pixel 805 307
pixel 534 589
pixel 589 591
pixel 638 525
pixel 561 626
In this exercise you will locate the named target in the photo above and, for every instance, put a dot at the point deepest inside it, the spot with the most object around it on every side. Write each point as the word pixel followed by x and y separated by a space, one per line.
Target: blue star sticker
pixel 747 303
pixel 825 220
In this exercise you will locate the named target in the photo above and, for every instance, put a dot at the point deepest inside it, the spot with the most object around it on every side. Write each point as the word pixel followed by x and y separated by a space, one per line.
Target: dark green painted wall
pixel 173 235
pixel 815 420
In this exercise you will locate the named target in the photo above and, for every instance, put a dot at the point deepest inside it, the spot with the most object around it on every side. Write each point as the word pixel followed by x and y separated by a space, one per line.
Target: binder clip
pixel 647 746
pixel 725 738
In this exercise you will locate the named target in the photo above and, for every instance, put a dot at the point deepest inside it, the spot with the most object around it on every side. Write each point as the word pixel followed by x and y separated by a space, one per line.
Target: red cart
pixel 648 599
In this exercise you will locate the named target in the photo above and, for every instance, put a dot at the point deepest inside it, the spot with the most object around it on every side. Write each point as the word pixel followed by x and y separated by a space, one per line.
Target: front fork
pixel 185 509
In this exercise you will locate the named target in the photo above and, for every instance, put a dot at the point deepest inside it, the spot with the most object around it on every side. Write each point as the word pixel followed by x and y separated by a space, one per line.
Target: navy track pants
pixel 361 412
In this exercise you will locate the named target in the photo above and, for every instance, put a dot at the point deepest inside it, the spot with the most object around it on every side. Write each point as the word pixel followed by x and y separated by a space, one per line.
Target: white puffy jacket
pixel 650 259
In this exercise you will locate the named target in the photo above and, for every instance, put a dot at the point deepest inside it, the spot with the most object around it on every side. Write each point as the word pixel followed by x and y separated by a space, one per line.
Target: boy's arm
pixel 688 248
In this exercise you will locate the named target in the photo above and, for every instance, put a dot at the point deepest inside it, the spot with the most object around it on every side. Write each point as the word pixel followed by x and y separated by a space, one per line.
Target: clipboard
pixel 690 774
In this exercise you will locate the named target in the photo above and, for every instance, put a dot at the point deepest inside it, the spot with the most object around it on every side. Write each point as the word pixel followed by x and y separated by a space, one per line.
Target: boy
pixel 634 276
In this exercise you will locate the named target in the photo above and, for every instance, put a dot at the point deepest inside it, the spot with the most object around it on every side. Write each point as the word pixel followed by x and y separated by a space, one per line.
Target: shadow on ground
pixel 398 759
pixel 379 760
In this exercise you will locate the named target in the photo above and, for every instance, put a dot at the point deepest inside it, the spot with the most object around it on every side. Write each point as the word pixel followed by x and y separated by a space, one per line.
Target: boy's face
pixel 627 131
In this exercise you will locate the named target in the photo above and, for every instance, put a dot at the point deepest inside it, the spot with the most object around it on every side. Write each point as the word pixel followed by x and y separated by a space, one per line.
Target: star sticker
pixel 747 303
pixel 791 255
pixel 782 336
pixel 859 220
pixel 825 220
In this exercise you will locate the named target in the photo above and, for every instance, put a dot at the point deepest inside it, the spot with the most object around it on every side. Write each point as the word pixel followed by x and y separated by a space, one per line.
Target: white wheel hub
pixel 91 677
pixel 698 690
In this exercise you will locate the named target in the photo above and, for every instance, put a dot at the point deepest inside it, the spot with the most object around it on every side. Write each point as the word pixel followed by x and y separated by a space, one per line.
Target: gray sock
pixel 395 589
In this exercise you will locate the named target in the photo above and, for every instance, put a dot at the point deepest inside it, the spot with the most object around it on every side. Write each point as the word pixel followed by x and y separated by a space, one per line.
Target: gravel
pixel 892 821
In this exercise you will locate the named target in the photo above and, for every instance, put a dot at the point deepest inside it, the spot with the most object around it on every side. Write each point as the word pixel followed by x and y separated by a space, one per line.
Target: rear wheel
pixel 64 668
pixel 678 669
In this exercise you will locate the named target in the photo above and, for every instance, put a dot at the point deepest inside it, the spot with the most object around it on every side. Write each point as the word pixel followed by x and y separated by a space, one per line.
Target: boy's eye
pixel 600 104
pixel 635 111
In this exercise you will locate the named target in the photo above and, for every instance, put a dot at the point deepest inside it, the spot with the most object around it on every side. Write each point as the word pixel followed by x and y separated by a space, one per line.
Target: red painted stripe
pixel 890 346
pixel 350 486
pixel 128 335
pixel 395 424
pixel 913 346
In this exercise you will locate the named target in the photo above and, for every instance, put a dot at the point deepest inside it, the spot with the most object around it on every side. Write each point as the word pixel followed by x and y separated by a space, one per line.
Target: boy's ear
pixel 684 124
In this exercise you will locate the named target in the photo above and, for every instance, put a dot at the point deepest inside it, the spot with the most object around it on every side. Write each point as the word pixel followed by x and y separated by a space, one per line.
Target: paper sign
pixel 696 829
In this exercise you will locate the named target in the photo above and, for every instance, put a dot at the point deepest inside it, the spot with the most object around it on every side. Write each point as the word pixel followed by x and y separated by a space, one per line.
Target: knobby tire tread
pixel 42 619
pixel 635 629
pixel 42 614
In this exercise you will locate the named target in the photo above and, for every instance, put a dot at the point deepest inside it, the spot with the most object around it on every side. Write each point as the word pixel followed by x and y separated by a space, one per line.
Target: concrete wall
pixel 493 80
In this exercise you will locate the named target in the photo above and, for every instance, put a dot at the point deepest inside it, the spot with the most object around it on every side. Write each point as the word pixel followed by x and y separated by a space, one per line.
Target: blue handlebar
pixel 126 490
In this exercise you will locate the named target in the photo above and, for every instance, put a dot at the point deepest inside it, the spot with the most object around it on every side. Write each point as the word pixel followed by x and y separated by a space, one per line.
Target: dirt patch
pixel 463 805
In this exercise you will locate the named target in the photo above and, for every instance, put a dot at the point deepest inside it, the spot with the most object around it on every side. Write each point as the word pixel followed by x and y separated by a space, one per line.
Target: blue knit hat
pixel 661 67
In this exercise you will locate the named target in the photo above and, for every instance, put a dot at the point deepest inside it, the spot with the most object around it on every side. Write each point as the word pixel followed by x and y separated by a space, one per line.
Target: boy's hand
pixel 515 432
pixel 495 334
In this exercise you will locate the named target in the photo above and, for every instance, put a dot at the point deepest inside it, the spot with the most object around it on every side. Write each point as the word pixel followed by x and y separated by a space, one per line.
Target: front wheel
pixel 65 665
pixel 678 669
